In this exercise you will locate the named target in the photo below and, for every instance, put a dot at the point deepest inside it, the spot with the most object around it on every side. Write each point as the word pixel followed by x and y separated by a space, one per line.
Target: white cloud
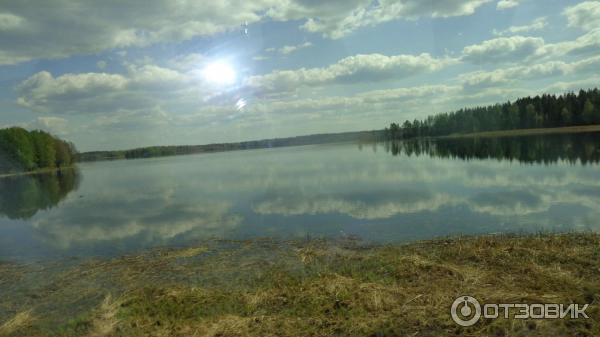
pixel 403 101
pixel 101 64
pixel 506 4
pixel 52 124
pixel 585 15
pixel 10 21
pixel 42 91
pixel 588 43
pixel 56 29
pixel 285 50
pixel 339 22
pixel 535 25
pixel 504 49
pixel 512 75
pixel 260 58
pixel 141 87
pixel 352 69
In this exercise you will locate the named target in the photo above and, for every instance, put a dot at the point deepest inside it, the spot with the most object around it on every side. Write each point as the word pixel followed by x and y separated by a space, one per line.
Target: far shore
pixel 527 132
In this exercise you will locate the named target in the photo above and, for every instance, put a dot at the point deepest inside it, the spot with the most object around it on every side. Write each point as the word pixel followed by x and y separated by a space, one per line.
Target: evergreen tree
pixel 546 111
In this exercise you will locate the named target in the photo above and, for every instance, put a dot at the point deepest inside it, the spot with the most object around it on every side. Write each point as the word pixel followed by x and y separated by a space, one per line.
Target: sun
pixel 219 72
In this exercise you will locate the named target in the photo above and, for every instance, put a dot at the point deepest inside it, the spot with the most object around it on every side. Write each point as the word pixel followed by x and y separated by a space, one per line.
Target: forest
pixel 22 150
pixel 545 111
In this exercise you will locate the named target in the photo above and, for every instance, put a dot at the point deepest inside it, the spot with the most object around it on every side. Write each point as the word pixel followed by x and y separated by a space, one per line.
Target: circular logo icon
pixel 469 312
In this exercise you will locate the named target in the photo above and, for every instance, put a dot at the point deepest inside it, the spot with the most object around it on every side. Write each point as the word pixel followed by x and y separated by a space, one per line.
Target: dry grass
pixel 104 320
pixel 21 320
pixel 326 289
pixel 185 253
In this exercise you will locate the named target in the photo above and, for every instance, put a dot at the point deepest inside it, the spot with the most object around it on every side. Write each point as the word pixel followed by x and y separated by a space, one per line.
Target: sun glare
pixel 219 73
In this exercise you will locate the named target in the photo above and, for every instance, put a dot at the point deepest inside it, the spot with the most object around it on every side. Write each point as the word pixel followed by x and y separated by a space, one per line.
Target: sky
pixel 123 74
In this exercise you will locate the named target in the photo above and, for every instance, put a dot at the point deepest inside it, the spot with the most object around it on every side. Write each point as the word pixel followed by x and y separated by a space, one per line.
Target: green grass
pixel 320 288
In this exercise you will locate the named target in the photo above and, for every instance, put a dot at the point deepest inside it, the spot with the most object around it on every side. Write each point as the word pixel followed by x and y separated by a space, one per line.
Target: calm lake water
pixel 378 192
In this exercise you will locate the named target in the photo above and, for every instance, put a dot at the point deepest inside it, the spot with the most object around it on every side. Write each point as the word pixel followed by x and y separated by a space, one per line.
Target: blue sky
pixel 135 73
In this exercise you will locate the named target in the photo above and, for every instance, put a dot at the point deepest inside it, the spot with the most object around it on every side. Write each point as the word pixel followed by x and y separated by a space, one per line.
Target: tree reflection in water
pixel 21 197
pixel 540 149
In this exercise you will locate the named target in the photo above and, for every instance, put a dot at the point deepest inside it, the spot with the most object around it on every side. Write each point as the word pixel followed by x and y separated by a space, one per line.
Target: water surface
pixel 390 192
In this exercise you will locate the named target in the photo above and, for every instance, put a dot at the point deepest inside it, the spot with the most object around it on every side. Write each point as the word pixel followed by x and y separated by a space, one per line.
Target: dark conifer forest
pixel 545 111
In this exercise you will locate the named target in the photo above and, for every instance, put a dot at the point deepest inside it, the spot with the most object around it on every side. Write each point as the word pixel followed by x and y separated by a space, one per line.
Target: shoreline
pixel 300 288
pixel 38 171
pixel 526 132
pixel 499 133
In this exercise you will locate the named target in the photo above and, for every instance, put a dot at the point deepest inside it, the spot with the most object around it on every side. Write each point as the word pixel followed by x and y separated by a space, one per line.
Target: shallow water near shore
pixel 381 193
pixel 300 288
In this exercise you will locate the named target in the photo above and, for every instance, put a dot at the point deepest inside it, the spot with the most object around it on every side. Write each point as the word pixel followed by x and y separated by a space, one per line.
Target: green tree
pixel 566 117
pixel 45 153
pixel 63 154
pixel 33 150
pixel 16 142
pixel 588 112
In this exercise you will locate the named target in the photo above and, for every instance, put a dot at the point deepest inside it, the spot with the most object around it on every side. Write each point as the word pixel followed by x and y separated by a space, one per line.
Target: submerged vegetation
pixel 314 288
pixel 22 150
pixel 545 111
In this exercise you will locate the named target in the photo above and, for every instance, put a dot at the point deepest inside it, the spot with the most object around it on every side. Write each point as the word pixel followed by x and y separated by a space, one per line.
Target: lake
pixel 384 192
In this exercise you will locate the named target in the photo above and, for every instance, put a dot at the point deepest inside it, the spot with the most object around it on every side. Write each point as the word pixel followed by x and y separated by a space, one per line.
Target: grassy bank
pixel 317 288
pixel 528 132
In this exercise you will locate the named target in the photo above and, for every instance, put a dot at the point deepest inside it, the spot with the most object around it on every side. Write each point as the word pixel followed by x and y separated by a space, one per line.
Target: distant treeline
pixel 160 151
pixel 540 149
pixel 22 150
pixel 546 111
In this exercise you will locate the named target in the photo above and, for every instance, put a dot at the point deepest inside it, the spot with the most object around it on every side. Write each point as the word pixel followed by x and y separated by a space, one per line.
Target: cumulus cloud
pixel 141 87
pixel 9 21
pixel 352 69
pixel 589 43
pixel 537 24
pixel 52 124
pixel 503 49
pixel 56 29
pixel 381 100
pixel 585 15
pixel 337 24
pixel 44 92
pixel 503 76
pixel 506 4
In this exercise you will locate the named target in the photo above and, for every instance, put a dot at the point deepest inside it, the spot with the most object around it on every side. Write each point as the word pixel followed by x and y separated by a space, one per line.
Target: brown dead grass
pixel 20 320
pixel 324 289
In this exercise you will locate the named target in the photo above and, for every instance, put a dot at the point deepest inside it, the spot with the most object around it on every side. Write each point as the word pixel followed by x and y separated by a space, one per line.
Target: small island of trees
pixel 22 150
